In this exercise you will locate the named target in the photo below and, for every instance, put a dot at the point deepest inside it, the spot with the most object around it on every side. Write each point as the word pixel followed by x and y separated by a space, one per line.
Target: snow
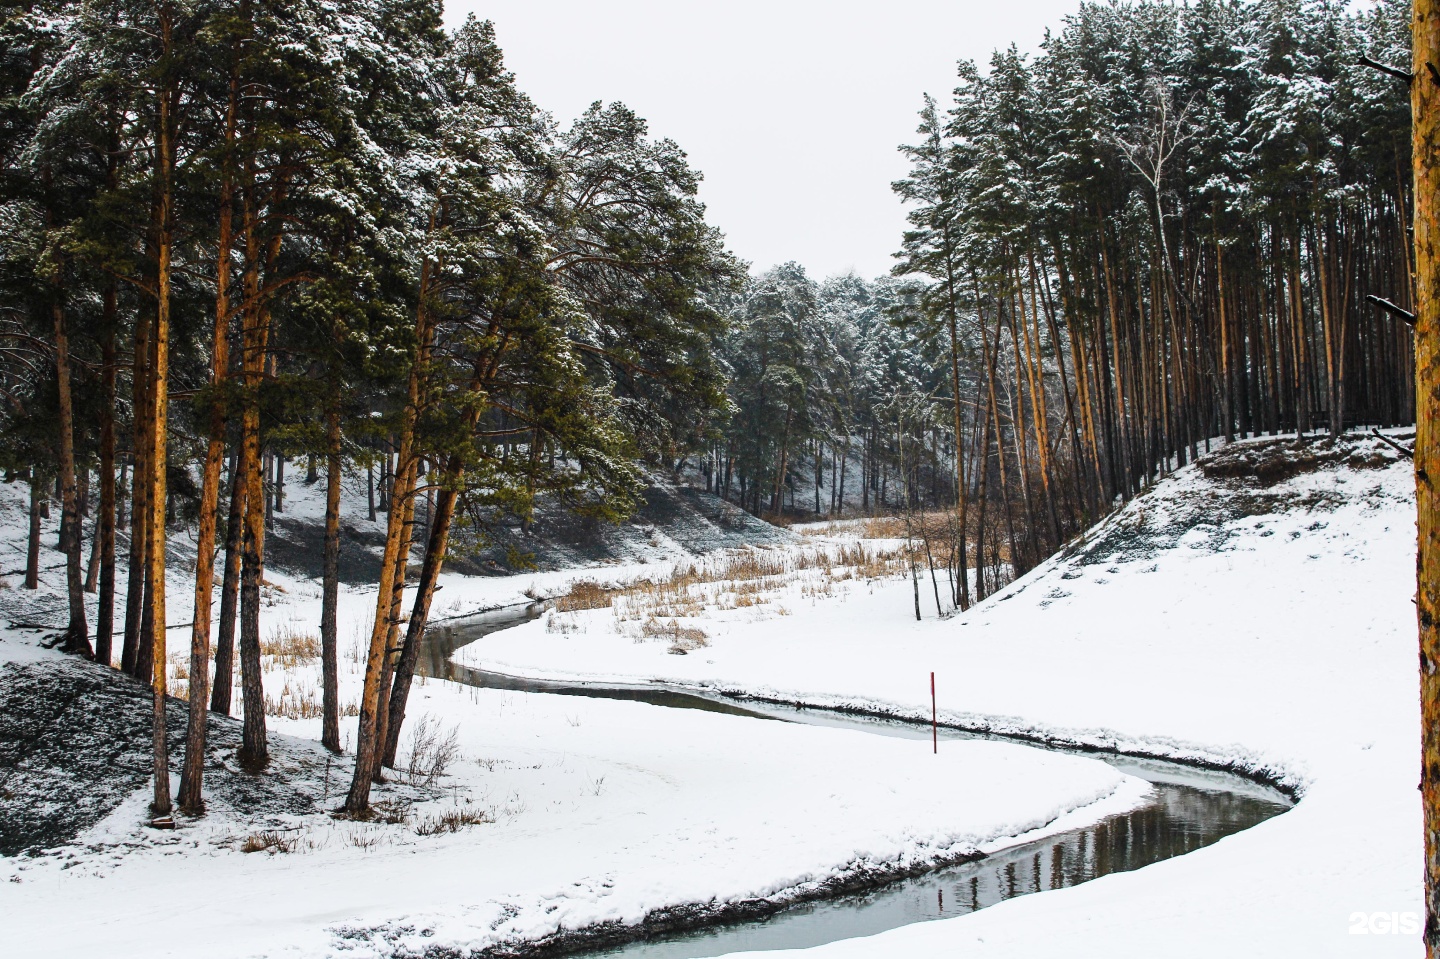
pixel 592 811
pixel 1266 629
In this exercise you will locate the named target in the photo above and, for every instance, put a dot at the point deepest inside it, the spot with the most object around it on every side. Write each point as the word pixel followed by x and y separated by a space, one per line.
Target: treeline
pixel 233 231
pixel 823 383
pixel 1162 229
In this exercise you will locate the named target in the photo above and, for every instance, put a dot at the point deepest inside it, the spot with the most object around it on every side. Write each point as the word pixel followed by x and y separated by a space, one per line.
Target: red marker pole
pixel 934 718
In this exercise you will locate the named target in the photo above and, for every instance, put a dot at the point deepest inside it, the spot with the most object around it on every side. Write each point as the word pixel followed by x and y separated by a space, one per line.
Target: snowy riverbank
pixel 1219 619
pixel 568 814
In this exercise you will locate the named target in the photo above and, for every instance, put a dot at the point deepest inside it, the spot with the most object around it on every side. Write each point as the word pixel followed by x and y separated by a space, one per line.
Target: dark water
pixel 1188 809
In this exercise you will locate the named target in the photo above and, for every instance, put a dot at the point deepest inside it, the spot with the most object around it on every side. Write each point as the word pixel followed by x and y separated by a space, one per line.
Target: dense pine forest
pixel 240 235
pixel 239 232
pixel 1170 226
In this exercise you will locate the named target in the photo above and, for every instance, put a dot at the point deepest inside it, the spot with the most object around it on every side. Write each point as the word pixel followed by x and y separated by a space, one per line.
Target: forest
pixel 1174 224
pixel 236 235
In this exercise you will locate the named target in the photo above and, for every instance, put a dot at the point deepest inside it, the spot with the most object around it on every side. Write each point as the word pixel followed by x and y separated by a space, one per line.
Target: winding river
pixel 1189 808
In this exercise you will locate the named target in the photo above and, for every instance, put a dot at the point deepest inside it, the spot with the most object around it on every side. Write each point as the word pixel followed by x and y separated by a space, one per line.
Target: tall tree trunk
pixel 961 499
pixel 158 415
pixel 229 590
pixel 367 743
pixel 77 633
pixel 139 556
pixel 193 771
pixel 255 335
pixel 402 501
pixel 330 588
pixel 425 584
pixel 1425 108
pixel 32 545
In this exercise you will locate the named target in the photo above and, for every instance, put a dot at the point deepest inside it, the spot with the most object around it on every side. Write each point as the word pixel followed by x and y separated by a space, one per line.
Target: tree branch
pixel 1395 72
pixel 1391 308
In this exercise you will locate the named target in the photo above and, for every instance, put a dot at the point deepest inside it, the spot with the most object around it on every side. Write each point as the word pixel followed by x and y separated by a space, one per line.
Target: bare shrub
pixel 431 752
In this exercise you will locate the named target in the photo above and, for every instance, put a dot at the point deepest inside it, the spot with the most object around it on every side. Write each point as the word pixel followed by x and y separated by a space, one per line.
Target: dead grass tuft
pixel 452 820
pixel 302 701
pixel 271 841
pixel 683 639
pixel 289 646
pixel 585 594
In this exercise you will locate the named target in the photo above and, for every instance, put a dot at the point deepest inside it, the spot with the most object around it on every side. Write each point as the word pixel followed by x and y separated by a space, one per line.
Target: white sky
pixel 792 110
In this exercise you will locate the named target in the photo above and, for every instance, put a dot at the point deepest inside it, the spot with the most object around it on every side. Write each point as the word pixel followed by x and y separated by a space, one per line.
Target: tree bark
pixel 330 589
pixel 193 772
pixel 139 500
pixel 367 744
pixel 158 415
pixel 420 613
pixel 32 544
pixel 1425 107
pixel 77 633
pixel 220 695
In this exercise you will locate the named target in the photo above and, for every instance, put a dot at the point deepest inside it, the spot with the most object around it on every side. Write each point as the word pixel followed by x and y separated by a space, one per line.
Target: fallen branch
pixel 1389 442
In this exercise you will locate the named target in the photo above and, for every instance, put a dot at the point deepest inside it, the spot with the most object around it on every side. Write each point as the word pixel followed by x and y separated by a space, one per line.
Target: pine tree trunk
pixel 402 502
pixel 279 482
pixel 425 584
pixel 1425 107
pixel 370 489
pixel 32 545
pixel 193 771
pixel 255 329
pixel 367 743
pixel 330 588
pixel 961 499
pixel 77 633
pixel 139 556
pixel 158 415
pixel 220 694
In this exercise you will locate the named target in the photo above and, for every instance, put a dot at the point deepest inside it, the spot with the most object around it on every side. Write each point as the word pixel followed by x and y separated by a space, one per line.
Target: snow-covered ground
pixel 581 812
pixel 1268 627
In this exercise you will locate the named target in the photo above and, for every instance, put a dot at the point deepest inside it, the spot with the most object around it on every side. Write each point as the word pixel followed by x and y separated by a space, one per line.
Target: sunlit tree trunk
pixel 1425 105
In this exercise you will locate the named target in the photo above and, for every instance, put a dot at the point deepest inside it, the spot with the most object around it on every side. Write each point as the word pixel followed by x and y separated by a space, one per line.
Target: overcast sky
pixel 791 109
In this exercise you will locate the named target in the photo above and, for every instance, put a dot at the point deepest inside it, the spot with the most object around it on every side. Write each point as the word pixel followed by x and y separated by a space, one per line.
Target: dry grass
pixel 289 647
pixel 271 842
pixel 586 594
pixel 682 639
pixel 452 820
pixel 299 700
pixel 734 580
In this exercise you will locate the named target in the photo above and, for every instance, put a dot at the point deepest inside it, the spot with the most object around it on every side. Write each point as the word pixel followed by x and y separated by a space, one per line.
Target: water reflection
pixel 1189 809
